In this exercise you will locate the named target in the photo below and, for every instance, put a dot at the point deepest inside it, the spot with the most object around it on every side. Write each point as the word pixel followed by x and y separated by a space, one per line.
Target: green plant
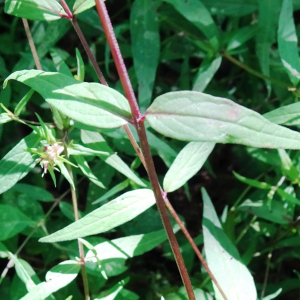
pixel 84 112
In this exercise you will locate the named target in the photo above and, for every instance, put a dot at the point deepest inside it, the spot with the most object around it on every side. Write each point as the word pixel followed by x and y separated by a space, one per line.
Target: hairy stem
pixel 31 44
pixel 162 209
pixel 139 124
pixel 118 59
pixel 140 155
pixel 191 241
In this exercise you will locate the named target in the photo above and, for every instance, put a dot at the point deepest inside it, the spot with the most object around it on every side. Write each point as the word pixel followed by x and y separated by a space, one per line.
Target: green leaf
pixel 3 253
pixel 277 214
pixel 116 189
pixel 68 210
pixel 288 168
pixel 84 167
pixel 129 246
pixel 22 273
pixel 23 103
pixel 95 141
pixel 188 162
pixel 5 118
pixel 113 292
pixel 288 42
pixel 273 296
pixel 80 66
pixel 223 258
pixel 58 277
pixel 253 182
pixel 12 221
pixel 65 173
pixel 191 10
pixel 193 116
pixel 206 72
pixel 59 62
pixel 82 5
pixel 34 192
pixel 90 103
pixel 241 36
pixel 17 162
pixel 145 45
pixel 106 217
pixel 236 8
pixel 287 115
pixel 34 9
pixel 266 35
pixel 267 186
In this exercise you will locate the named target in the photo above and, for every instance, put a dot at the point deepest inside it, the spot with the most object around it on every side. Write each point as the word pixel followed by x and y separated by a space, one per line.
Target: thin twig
pixel 254 72
pixel 266 275
pixel 31 44
pixel 80 245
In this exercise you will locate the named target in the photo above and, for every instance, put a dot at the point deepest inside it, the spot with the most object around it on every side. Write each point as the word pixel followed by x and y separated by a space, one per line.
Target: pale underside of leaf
pixel 193 116
pixel 108 216
pixel 90 103
pixel 188 162
pixel 223 258
pixel 34 9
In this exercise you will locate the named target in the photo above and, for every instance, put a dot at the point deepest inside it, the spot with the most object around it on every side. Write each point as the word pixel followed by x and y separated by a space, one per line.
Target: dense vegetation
pixel 229 159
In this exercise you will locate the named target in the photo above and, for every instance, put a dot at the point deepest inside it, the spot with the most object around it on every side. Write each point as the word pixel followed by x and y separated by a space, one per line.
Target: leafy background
pixel 230 52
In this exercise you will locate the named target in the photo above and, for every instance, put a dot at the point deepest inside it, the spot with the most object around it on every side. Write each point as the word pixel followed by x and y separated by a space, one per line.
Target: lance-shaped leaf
pixel 193 116
pixel 95 141
pixel 223 258
pixel 288 42
pixel 267 22
pixel 286 115
pixel 191 10
pixel 205 74
pixel 82 5
pixel 17 162
pixel 34 9
pixel 58 277
pixel 145 46
pixel 86 170
pixel 12 221
pixel 187 163
pixel 129 246
pixel 90 103
pixel 22 273
pixel 34 192
pixel 106 217
pixel 277 213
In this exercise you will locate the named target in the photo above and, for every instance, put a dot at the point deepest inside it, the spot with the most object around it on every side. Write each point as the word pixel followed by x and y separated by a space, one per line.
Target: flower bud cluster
pixel 49 155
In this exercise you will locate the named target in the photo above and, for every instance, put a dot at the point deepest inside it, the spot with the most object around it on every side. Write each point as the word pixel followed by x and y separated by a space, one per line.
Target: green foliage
pixel 206 73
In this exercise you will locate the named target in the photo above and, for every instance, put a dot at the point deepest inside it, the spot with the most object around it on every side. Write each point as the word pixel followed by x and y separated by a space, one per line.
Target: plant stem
pixel 118 59
pixel 140 155
pixel 80 246
pixel 139 124
pixel 66 8
pixel 163 211
pixel 254 72
pixel 266 275
pixel 31 44
pixel 191 241
pixel 88 50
